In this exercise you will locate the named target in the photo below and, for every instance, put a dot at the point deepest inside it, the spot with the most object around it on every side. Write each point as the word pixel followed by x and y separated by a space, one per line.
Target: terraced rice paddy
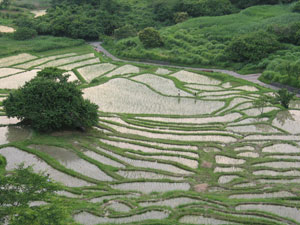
pixel 162 154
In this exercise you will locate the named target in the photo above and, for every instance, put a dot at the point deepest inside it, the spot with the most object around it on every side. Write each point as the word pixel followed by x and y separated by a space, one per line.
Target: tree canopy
pixel 49 102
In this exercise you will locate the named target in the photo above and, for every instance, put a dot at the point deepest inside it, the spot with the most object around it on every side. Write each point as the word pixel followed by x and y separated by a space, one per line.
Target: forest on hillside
pixel 246 36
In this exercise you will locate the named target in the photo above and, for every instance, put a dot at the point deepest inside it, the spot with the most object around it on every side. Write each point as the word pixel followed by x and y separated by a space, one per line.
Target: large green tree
pixel 49 102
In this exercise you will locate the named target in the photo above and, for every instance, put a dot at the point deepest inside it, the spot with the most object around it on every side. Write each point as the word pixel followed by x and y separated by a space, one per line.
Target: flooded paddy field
pixel 171 147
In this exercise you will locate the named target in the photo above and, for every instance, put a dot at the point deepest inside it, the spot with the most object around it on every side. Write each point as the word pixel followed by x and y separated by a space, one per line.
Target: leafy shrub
pixel 125 32
pixel 252 47
pixel 285 70
pixel 180 17
pixel 24 33
pixel 49 102
pixel 150 38
pixel 296 7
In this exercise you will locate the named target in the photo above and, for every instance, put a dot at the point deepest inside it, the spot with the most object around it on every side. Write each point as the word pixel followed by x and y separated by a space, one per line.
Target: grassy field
pixel 9 46
pixel 202 41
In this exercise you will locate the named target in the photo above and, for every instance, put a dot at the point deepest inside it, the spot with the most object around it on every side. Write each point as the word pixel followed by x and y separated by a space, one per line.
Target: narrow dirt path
pixel 250 77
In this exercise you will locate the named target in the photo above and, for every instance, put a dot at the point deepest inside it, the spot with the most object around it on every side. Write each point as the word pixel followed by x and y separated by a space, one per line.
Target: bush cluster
pixel 289 33
pixel 197 8
pixel 24 33
pixel 252 47
pixel 285 70
pixel 125 32
pixel 150 38
pixel 180 17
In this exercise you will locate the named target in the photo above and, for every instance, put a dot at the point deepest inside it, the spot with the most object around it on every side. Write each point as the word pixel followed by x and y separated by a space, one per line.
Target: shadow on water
pixel 14 133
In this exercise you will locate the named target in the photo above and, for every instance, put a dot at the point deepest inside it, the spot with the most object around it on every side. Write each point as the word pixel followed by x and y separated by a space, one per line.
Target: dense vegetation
pixel 49 102
pixel 247 36
pixel 22 187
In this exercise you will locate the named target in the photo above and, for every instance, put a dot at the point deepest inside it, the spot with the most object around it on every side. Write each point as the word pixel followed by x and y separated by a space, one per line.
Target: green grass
pixel 9 46
pixel 202 41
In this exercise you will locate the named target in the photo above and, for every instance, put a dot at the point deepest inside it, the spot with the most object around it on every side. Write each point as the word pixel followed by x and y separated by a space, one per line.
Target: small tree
pixel 284 97
pixel 49 102
pixel 252 47
pixel 150 38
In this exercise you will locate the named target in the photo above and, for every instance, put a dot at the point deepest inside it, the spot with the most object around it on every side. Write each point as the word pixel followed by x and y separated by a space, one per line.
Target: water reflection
pixel 61 154
pixel 284 116
pixel 13 133
pixel 295 104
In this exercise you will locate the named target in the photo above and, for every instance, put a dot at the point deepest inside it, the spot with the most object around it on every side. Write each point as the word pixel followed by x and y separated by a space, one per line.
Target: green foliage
pixel 197 8
pixel 150 38
pixel 203 41
pixel 252 47
pixel 48 102
pixel 46 215
pixel 20 188
pixel 4 4
pixel 24 186
pixel 24 33
pixel 284 97
pixel 245 3
pixel 296 7
pixel 284 69
pixel 125 32
pixel 87 22
pixel 163 10
pixel 289 33
pixel 2 164
pixel 180 17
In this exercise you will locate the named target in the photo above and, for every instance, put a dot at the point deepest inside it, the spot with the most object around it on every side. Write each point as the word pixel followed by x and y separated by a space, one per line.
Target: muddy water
pixel 280 194
pixel 15 157
pixel 148 187
pixel 4 120
pixel 282 211
pixel 201 220
pixel 226 179
pixel 288 120
pixel 119 207
pixel 90 219
pixel 11 134
pixel 148 164
pixel 70 160
pixel 146 175
pixel 144 101
pixel 228 161
pixel 173 202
